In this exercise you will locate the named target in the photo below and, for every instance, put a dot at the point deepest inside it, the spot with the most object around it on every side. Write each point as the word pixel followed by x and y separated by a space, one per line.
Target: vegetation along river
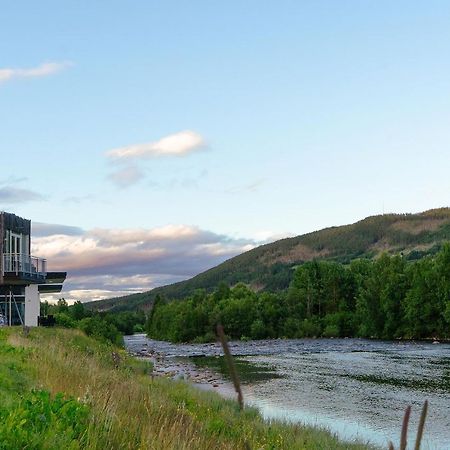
pixel 356 388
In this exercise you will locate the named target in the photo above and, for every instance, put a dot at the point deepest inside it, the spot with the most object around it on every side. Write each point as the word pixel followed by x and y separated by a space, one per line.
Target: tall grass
pixel 127 410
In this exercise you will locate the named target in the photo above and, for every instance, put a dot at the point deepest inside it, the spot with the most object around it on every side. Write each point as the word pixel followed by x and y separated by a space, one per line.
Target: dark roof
pixel 15 223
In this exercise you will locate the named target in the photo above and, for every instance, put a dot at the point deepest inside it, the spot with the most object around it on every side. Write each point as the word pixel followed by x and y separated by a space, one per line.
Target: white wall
pixel 32 305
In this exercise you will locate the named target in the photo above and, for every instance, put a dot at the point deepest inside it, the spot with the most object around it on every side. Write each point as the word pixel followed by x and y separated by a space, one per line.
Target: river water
pixel 356 388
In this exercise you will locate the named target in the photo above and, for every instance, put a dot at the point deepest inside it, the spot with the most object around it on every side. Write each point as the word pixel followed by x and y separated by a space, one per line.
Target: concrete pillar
pixel 32 305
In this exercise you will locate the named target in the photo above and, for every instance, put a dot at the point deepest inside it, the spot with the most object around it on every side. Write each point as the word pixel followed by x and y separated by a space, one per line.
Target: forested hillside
pixel 386 298
pixel 271 267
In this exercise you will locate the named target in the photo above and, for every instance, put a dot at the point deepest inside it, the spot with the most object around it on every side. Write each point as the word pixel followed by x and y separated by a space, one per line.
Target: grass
pixel 61 389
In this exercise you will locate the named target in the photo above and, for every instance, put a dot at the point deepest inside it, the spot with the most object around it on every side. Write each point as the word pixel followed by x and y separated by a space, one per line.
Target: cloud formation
pixel 126 177
pixel 110 262
pixel 43 70
pixel 40 229
pixel 178 144
pixel 9 194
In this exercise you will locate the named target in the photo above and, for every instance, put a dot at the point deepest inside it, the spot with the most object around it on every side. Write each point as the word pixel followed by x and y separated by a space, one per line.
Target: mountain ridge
pixel 269 266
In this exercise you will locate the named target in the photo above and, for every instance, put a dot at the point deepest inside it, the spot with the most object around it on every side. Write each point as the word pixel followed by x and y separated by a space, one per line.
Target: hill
pixel 269 267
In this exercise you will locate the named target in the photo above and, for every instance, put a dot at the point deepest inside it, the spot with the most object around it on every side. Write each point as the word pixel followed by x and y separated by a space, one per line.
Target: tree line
pixel 385 298
pixel 103 326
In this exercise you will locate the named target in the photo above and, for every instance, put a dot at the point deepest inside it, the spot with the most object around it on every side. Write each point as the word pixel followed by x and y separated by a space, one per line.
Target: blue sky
pixel 249 120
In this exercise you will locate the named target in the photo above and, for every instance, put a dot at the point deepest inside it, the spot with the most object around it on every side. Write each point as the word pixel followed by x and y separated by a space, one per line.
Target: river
pixel 356 388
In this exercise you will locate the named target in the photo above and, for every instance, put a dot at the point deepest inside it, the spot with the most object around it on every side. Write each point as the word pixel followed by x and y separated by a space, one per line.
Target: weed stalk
pixel 230 364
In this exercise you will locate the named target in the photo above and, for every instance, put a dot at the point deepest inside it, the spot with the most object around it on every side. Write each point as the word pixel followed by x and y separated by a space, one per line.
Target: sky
pixel 149 141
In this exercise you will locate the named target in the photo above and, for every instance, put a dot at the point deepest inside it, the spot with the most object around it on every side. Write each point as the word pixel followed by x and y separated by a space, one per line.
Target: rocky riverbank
pixel 167 362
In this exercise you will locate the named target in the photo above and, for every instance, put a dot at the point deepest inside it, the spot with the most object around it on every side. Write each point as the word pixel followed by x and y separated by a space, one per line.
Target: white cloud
pixel 43 70
pixel 113 262
pixel 98 287
pixel 136 236
pixel 178 144
pixel 126 177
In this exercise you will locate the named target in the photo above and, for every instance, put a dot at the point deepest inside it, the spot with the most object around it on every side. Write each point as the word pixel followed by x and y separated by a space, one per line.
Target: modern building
pixel 23 277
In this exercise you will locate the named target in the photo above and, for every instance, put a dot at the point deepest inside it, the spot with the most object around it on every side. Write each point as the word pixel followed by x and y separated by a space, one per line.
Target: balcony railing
pixel 24 265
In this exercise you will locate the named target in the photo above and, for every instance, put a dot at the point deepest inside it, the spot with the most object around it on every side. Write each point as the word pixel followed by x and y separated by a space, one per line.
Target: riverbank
pixel 357 388
pixel 95 396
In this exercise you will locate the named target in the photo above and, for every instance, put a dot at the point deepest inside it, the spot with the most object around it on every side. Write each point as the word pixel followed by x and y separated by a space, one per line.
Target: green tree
pixel 443 274
pixel 258 329
pixel 306 288
pixel 77 310
pixel 44 308
pixel 394 288
pixel 62 306
pixel 419 304
pixel 369 314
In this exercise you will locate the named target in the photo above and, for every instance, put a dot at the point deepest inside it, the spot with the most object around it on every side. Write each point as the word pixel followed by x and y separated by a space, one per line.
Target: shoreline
pixel 121 407
pixel 173 361
pixel 180 368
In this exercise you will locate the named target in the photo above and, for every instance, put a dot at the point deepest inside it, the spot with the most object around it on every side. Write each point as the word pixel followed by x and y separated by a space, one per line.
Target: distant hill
pixel 270 266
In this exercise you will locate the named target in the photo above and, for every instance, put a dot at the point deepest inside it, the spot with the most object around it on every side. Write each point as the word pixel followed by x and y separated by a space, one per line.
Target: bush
pixel 138 328
pixel 64 320
pixel 291 328
pixel 310 328
pixel 101 330
pixel 331 331
pixel 258 329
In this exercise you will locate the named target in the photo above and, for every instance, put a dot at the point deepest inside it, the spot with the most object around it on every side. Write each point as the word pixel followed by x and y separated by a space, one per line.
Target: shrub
pixel 258 329
pixel 64 320
pixel 101 330
pixel 331 331
pixel 310 328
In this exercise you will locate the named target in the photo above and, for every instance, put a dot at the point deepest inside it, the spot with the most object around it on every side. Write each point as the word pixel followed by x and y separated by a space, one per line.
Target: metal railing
pixel 22 264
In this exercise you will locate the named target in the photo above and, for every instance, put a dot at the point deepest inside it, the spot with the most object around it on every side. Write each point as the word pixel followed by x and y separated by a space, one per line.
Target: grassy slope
pixel 270 266
pixel 122 408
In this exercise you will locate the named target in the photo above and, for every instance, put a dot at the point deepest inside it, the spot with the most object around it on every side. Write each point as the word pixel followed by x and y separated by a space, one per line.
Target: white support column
pixel 32 305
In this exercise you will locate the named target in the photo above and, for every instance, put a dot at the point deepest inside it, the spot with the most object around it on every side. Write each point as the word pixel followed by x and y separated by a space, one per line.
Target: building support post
pixel 32 305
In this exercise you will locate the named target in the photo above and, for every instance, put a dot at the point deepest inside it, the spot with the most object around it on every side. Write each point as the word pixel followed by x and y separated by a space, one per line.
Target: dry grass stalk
pixel 231 366
pixel 403 438
pixel 116 359
pixel 421 425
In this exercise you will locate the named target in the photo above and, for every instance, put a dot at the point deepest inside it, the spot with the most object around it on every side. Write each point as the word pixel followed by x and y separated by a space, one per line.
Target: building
pixel 22 276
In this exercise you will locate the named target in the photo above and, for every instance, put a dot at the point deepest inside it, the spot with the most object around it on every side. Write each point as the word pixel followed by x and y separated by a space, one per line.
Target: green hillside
pixel 269 267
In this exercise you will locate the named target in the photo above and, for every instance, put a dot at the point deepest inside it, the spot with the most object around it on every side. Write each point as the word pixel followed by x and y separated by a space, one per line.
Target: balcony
pixel 24 267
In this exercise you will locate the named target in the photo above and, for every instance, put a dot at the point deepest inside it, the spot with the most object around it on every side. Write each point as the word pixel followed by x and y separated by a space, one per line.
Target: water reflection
pixel 249 372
